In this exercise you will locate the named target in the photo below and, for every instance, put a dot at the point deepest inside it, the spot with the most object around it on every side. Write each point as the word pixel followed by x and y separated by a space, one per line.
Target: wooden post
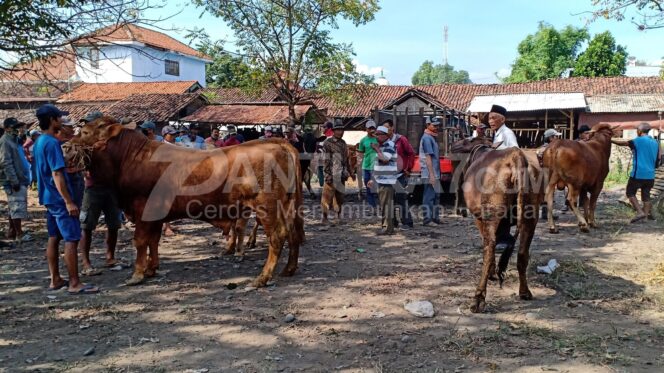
pixel 546 118
pixel 571 124
pixel 406 123
pixel 394 119
pixel 376 115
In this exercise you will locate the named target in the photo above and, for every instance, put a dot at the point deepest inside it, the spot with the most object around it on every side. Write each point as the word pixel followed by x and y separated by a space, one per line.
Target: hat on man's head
pixel 268 128
pixel 168 130
pixel 148 125
pixel 498 109
pixel 231 129
pixel 66 121
pixel 434 121
pixel 382 129
pixel 370 124
pixel 551 132
pixel 34 132
pixel 12 123
pixel 92 116
pixel 338 124
pixel 51 110
pixel 584 128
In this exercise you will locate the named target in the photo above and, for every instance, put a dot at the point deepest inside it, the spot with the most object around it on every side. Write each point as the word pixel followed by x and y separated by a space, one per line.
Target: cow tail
pixel 522 189
pixel 294 220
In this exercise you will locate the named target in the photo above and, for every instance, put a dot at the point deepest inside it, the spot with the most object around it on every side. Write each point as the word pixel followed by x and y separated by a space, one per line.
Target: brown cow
pixel 581 166
pixel 158 182
pixel 497 182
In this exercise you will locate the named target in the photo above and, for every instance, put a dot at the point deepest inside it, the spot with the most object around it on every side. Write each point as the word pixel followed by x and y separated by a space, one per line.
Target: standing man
pixel 28 145
pixel 15 178
pixel 55 192
pixel 385 175
pixel 366 148
pixel 336 170
pixel 480 130
pixel 232 137
pixel 430 166
pixel 149 129
pixel 549 135
pixel 405 163
pixel 267 134
pixel 645 159
pixel 502 133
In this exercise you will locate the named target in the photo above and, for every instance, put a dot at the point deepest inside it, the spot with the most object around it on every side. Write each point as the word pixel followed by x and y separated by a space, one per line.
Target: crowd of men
pixel 74 203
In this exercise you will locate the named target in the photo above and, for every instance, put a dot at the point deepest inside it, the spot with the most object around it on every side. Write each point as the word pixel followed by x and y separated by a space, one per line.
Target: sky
pixel 483 34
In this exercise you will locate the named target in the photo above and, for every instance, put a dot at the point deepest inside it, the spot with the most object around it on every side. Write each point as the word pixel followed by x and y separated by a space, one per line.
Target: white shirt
pixel 505 135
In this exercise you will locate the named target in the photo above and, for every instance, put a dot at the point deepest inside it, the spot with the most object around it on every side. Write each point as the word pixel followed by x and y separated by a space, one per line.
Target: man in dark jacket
pixel 15 178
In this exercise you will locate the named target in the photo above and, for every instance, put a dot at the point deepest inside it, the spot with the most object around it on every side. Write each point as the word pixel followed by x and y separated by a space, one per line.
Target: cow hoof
pixel 150 272
pixel 478 307
pixel 584 229
pixel 259 282
pixel 553 230
pixel 527 295
pixel 288 272
pixel 227 252
pixel 135 280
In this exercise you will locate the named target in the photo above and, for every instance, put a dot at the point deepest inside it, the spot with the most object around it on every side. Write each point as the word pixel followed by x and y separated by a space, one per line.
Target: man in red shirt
pixel 405 163
pixel 232 137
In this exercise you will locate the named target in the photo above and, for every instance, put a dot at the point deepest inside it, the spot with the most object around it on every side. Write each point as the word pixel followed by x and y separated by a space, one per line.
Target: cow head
pixel 602 130
pixel 467 144
pixel 98 132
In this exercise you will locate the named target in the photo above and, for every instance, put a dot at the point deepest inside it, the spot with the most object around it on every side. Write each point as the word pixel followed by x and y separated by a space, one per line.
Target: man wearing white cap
pixel 268 133
pixel 365 147
pixel 385 175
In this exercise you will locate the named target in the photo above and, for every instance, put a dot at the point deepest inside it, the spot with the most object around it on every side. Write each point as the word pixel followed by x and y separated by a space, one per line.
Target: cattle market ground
pixel 601 311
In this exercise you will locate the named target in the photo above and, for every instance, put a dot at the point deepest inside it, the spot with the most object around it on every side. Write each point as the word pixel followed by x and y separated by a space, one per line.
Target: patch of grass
pixel 617 176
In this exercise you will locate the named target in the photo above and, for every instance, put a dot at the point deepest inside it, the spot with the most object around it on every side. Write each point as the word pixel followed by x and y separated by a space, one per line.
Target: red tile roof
pixel 56 68
pixel 247 114
pixel 129 32
pixel 89 92
pixel 157 107
pixel 78 111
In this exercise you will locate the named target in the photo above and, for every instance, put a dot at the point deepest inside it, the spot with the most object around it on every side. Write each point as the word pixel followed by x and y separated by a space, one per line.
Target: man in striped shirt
pixel 385 175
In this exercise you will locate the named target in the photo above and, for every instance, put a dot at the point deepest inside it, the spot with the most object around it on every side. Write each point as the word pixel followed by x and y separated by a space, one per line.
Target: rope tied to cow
pixel 77 156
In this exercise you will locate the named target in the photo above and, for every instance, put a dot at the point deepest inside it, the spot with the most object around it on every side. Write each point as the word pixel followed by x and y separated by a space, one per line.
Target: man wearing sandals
pixel 55 192
pixel 645 157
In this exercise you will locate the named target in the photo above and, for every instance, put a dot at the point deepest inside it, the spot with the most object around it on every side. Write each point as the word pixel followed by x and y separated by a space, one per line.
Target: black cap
pixel 12 123
pixel 52 110
pixel 338 124
pixel 498 109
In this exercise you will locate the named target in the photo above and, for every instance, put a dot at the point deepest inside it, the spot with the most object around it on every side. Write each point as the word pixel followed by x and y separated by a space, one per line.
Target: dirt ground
pixel 599 312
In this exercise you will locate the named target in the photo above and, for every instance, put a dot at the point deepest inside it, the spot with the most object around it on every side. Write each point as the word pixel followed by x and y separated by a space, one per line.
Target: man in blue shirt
pixel 55 192
pixel 645 155
pixel 430 166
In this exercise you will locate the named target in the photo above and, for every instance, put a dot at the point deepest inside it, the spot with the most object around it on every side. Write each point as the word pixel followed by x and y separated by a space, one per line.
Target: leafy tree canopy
pixel 648 14
pixel 547 53
pixel 226 70
pixel 603 57
pixel 428 74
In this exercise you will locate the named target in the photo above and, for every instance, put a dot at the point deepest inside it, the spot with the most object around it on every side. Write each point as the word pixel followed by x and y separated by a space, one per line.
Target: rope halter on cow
pixel 77 156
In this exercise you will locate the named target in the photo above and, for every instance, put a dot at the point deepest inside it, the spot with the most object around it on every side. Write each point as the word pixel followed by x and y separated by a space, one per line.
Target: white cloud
pixel 366 69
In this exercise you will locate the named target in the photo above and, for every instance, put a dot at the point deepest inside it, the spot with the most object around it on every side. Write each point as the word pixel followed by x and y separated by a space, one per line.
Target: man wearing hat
pixel 645 159
pixel 366 148
pixel 480 130
pixel 385 175
pixel 337 171
pixel 549 135
pixel 91 117
pixel 149 129
pixel 232 137
pixel 502 133
pixel 430 169
pixel 55 192
pixel 267 133
pixel 168 133
pixel 15 178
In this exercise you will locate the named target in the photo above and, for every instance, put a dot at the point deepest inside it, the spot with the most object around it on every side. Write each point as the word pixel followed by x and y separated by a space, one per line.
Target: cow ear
pixel 130 126
pixel 495 145
pixel 111 131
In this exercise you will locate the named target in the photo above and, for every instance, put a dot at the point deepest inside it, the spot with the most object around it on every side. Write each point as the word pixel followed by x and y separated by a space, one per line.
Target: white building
pixel 129 53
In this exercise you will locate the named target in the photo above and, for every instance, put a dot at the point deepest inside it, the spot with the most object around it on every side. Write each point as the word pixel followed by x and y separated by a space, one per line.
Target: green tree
pixel 547 53
pixel 226 70
pixel 428 74
pixel 603 57
pixel 649 13
pixel 290 44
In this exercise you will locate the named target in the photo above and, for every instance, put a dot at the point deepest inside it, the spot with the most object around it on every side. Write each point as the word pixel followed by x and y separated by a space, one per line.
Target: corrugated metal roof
pixel 528 102
pixel 625 103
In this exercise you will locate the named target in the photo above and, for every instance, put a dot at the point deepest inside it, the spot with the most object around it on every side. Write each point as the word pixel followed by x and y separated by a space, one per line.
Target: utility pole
pixel 445 43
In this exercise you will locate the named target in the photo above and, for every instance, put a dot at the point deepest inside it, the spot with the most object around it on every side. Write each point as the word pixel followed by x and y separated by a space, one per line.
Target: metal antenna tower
pixel 445 42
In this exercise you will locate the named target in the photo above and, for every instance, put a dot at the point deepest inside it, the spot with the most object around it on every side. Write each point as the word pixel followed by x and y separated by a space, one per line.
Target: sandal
pixel 91 272
pixel 115 263
pixel 86 289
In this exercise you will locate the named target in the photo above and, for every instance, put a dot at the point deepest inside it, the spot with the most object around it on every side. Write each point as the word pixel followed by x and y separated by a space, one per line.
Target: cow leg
pixel 593 204
pixel 550 189
pixel 153 259
pixel 573 199
pixel 276 237
pixel 489 240
pixel 523 257
pixel 251 241
pixel 293 255
pixel 231 241
pixel 142 238
pixel 585 202
pixel 238 231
